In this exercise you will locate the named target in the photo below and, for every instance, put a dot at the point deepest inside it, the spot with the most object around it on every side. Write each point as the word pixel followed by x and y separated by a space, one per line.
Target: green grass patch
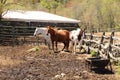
pixel 93 53
pixel 118 69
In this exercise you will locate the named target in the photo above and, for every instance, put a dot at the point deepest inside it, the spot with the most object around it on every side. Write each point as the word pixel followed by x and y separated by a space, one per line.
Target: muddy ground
pixel 21 63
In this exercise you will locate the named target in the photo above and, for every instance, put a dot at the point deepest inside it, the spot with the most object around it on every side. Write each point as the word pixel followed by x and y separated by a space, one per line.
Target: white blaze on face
pixel 35 32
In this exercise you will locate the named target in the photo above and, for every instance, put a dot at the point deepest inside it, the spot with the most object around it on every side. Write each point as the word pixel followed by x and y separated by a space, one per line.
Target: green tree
pixel 52 4
pixel 97 13
pixel 6 5
pixel 2 5
pixel 46 4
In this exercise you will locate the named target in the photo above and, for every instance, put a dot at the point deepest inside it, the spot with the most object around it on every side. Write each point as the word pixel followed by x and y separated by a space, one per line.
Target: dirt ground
pixel 22 63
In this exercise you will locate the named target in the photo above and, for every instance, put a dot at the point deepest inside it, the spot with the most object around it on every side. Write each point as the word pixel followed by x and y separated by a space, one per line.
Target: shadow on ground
pixel 102 71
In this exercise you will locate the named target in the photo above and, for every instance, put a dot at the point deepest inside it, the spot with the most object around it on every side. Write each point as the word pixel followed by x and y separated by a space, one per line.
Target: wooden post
pixel 83 37
pixel 13 37
pixel 82 41
pixel 101 41
pixel 110 43
pixel 89 44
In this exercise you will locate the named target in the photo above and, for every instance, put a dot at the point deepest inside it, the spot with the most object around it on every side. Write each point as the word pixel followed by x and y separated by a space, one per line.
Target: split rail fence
pixel 105 45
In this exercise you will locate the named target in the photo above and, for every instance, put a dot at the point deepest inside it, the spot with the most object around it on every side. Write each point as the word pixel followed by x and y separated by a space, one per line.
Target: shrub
pixel 37 48
pixel 118 69
pixel 117 63
pixel 93 53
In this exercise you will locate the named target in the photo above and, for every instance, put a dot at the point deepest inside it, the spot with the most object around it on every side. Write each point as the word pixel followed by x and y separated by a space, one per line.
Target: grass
pixel 93 53
pixel 118 69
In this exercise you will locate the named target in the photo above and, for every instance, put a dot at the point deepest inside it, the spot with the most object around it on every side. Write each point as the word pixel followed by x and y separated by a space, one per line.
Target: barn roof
pixel 35 16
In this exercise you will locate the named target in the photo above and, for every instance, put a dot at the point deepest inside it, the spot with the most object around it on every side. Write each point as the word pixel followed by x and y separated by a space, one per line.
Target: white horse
pixel 75 36
pixel 43 32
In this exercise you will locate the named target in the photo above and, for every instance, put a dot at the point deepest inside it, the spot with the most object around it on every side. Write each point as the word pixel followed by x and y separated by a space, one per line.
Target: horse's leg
pixel 67 45
pixel 48 43
pixel 71 46
pixel 53 45
pixel 79 44
pixel 75 44
pixel 56 45
pixel 45 41
pixel 64 46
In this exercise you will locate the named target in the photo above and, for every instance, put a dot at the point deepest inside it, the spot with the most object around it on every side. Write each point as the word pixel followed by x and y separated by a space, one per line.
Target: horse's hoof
pixel 66 50
pixel 56 51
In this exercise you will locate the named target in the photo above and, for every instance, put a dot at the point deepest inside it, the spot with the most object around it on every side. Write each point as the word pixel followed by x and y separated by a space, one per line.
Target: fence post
pixel 13 37
pixel 110 43
pixel 83 37
pixel 89 44
pixel 101 41
pixel 82 41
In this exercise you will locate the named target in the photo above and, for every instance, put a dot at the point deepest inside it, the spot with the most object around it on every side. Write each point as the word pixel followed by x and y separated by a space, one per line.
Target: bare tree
pixel 110 17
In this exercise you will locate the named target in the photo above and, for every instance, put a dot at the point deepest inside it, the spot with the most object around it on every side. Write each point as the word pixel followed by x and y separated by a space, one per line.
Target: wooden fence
pixel 104 45
pixel 103 29
pixel 20 34
pixel 12 33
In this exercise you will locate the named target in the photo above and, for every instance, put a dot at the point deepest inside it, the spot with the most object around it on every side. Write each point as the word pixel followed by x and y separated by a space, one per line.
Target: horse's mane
pixel 57 28
pixel 40 27
pixel 81 32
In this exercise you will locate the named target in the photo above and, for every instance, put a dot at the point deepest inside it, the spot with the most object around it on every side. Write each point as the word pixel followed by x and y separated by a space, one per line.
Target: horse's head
pixel 76 34
pixel 81 34
pixel 36 31
pixel 39 31
pixel 48 30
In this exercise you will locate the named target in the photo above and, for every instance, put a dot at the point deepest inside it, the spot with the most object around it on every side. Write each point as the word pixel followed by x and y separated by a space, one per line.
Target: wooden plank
pixel 91 48
pixel 96 36
pixel 94 41
pixel 116 38
pixel 114 58
pixel 106 37
pixel 115 46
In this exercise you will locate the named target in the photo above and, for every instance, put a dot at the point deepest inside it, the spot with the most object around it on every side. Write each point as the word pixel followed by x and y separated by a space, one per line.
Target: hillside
pixel 92 13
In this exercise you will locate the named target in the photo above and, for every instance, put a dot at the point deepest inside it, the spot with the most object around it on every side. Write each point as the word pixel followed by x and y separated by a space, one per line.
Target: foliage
pixel 2 5
pixel 118 66
pixel 97 13
pixel 118 70
pixel 92 13
pixel 6 5
pixel 52 4
pixel 36 48
pixel 93 53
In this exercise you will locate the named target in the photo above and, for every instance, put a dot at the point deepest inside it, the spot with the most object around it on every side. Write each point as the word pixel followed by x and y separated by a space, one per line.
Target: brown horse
pixel 59 36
